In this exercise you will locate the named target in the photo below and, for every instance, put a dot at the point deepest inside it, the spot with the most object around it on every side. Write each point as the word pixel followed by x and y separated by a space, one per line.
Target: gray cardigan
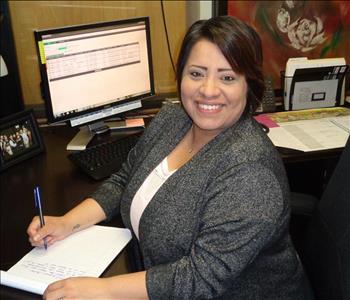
pixel 218 227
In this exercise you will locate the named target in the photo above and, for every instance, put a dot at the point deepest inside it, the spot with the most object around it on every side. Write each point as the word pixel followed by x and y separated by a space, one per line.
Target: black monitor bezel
pixel 38 34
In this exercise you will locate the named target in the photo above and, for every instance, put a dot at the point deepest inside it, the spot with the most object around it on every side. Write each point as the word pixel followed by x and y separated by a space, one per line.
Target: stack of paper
pixel 310 135
pixel 308 130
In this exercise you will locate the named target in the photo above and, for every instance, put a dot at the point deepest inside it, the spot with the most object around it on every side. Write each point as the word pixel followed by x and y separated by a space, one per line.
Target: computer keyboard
pixel 102 160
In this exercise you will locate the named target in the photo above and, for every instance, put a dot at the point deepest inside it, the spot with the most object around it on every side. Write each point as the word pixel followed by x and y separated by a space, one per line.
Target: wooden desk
pixel 62 186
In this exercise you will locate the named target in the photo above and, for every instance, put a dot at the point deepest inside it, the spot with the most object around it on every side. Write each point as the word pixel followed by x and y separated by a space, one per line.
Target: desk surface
pixel 63 186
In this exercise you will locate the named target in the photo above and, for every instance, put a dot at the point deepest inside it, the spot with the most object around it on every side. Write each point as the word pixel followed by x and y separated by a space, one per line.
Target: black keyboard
pixel 102 160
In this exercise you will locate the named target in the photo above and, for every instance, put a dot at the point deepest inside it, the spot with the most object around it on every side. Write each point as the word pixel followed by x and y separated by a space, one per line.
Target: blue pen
pixel 37 200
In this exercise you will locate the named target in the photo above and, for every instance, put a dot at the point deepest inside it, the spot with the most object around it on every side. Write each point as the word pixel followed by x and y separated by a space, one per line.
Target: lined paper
pixel 85 253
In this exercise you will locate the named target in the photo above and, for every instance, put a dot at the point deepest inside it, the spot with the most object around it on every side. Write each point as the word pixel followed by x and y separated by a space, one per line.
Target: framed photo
pixel 20 139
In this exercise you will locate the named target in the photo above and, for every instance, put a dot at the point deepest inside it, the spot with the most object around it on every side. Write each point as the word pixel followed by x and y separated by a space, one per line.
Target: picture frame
pixel 20 139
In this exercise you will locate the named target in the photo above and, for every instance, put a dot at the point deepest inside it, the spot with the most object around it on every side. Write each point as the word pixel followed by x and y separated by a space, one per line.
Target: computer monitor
pixel 91 72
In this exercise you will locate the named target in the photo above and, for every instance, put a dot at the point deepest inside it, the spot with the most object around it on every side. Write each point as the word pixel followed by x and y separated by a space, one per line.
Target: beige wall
pixel 27 16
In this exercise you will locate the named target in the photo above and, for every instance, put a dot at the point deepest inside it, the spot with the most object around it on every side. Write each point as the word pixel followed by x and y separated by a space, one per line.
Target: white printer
pixel 314 83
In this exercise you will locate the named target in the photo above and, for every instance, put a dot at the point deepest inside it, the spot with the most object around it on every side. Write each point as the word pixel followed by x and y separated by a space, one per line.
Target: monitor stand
pixel 85 135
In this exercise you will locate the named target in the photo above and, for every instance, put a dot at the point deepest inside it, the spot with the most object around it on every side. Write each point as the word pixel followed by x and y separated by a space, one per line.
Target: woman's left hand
pixel 78 288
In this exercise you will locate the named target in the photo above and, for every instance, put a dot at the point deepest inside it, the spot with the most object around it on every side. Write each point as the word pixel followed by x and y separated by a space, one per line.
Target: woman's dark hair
pixel 240 45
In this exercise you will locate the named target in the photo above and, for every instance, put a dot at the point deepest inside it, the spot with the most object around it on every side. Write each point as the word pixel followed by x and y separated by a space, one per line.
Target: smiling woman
pixel 204 191
pixel 211 92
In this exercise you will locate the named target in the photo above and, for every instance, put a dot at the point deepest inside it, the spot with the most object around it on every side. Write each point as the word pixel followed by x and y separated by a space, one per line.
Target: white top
pixel 146 192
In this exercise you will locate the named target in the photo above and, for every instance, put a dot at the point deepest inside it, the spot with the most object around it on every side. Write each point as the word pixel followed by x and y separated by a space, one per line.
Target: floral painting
pixel 312 29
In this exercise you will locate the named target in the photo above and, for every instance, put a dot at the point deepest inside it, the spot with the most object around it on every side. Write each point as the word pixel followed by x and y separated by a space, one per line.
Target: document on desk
pixel 342 122
pixel 85 253
pixel 312 135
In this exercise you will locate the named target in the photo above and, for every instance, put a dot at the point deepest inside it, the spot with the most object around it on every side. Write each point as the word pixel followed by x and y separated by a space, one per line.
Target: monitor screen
pixel 93 71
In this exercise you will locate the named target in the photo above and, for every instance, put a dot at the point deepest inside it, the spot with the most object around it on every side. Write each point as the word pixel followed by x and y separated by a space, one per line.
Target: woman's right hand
pixel 84 215
pixel 55 229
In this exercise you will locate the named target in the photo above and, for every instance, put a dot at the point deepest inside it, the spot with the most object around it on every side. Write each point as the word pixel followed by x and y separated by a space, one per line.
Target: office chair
pixel 325 253
pixel 302 208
